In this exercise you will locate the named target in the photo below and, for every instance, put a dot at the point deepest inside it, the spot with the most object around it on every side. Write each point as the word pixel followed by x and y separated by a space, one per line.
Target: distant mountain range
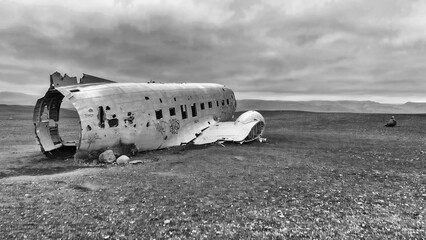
pixel 332 106
pixel 24 112
pixel 13 98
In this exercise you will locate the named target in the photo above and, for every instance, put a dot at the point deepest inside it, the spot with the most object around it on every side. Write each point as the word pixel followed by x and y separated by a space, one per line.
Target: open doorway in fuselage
pixel 70 130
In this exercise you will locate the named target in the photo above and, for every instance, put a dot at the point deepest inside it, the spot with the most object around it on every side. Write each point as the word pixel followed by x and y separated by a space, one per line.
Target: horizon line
pixel 298 98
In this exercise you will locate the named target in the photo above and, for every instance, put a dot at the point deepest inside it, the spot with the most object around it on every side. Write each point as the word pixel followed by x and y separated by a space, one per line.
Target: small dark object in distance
pixel 391 123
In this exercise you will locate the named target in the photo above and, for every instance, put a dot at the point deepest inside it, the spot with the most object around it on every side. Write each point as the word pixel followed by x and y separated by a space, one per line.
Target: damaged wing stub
pixel 148 116
pixel 248 127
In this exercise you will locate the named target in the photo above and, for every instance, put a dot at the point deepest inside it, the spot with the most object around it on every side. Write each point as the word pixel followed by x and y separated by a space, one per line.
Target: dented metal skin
pixel 148 115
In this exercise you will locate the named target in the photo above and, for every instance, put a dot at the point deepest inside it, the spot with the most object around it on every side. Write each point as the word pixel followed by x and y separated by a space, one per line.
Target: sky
pixel 262 49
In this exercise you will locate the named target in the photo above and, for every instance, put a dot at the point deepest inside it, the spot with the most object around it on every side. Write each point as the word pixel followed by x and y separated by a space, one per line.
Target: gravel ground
pixel 318 176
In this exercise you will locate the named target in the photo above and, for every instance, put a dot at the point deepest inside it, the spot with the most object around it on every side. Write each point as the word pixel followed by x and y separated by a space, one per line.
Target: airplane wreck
pixel 149 115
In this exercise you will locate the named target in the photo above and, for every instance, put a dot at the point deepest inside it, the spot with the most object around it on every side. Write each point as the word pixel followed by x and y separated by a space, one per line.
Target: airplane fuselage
pixel 157 115
pixel 147 115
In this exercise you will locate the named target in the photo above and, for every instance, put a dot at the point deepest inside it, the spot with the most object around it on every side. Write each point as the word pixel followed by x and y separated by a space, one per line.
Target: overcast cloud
pixel 292 50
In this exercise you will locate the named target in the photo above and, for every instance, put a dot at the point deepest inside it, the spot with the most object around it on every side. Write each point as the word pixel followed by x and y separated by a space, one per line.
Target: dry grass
pixel 339 176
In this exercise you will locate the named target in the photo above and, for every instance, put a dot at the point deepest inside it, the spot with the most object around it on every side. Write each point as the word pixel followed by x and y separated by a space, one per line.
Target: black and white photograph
pixel 212 119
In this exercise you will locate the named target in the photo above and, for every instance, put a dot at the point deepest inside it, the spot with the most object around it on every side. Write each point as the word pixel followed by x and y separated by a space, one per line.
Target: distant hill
pixel 332 106
pixel 14 98
pixel 9 112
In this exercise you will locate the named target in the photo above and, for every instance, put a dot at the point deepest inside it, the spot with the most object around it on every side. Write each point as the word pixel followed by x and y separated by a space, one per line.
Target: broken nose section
pixel 47 111
pixel 46 122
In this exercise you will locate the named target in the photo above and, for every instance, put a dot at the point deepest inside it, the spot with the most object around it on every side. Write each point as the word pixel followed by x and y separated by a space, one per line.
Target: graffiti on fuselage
pixel 161 126
pixel 92 138
pixel 174 126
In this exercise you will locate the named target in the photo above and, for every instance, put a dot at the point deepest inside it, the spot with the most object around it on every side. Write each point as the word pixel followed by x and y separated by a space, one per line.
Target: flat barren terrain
pixel 319 175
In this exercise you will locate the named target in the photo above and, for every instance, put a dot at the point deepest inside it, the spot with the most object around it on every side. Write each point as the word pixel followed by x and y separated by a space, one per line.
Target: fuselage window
pixel 159 114
pixel 227 101
pixel 194 110
pixel 184 111
pixel 161 101
pixel 210 104
pixel 223 102
pixel 101 117
pixel 172 111
pixel 217 103
pixel 146 98
pixel 202 106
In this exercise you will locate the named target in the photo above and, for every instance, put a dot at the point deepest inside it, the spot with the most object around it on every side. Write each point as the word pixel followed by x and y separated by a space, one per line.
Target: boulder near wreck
pixel 147 115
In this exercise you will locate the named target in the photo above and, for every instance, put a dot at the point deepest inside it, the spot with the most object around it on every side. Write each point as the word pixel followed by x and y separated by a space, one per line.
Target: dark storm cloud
pixel 341 48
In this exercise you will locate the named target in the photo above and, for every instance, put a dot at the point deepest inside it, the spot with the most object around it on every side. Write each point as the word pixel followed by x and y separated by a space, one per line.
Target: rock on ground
pixel 107 157
pixel 123 160
pixel 136 162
